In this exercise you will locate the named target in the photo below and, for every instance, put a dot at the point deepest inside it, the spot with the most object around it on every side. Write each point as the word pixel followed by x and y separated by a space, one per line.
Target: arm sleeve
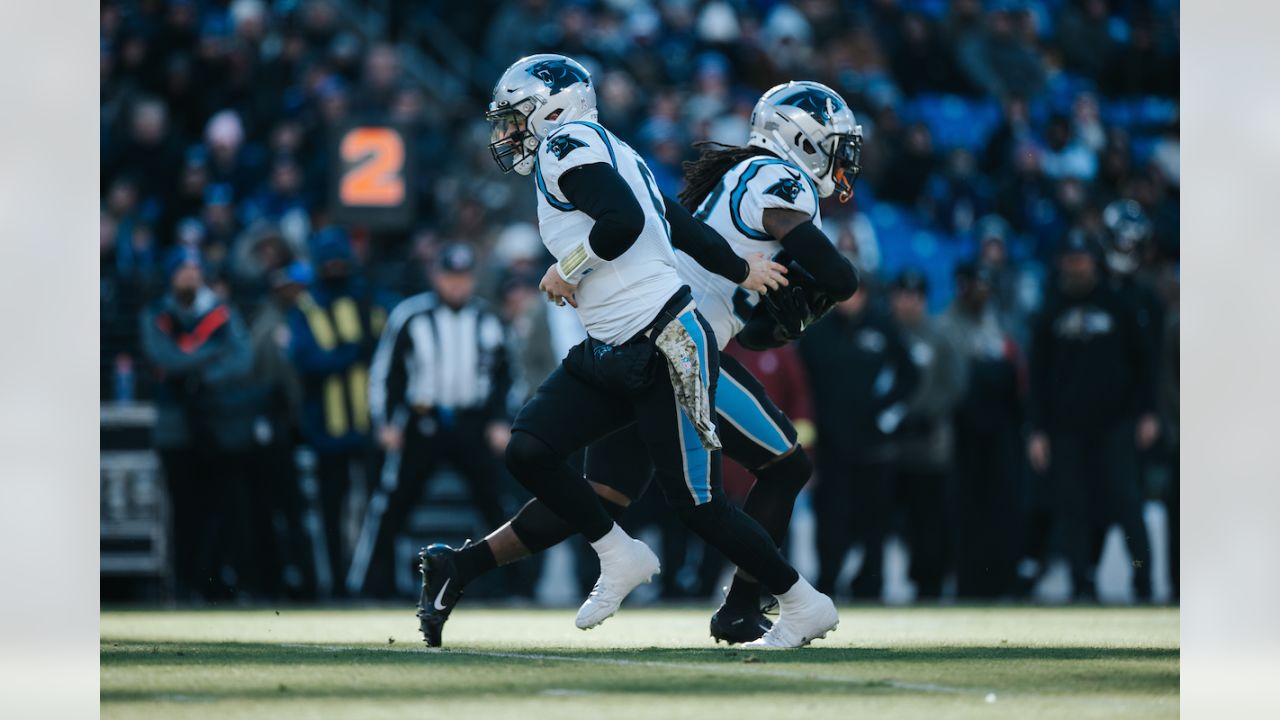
pixel 600 192
pixel 566 153
pixel 703 244
pixel 832 272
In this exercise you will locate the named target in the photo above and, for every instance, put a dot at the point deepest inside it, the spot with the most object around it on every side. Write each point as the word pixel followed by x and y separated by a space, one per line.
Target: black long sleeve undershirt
pixel 600 192
pixel 832 272
pixel 703 244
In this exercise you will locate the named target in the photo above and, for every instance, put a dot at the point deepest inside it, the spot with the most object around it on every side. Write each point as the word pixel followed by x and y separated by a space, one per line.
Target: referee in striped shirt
pixel 439 390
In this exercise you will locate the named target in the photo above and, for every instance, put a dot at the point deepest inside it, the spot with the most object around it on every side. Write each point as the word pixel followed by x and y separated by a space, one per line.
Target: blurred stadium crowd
pixel 994 128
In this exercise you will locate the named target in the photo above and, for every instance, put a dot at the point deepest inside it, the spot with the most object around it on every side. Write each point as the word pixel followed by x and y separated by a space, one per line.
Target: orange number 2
pixel 374 160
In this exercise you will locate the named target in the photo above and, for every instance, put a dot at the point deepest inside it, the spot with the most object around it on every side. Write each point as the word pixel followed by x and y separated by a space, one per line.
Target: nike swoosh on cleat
pixel 440 595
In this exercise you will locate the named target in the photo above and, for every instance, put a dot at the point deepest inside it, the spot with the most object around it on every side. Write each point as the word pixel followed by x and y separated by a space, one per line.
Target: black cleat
pixel 440 591
pixel 734 625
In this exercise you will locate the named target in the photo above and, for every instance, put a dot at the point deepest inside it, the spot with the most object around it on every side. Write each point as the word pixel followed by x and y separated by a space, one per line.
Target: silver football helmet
pixel 533 97
pixel 810 125
pixel 1128 231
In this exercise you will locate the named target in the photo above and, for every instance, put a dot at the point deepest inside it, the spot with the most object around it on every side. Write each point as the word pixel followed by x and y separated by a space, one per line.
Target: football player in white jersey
pixel 650 360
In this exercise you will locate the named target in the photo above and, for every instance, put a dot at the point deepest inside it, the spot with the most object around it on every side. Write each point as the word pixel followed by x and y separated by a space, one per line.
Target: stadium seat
pixel 954 121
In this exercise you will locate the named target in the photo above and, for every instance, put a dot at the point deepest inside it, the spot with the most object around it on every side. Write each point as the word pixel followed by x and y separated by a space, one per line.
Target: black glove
pixel 797 306
pixel 789 310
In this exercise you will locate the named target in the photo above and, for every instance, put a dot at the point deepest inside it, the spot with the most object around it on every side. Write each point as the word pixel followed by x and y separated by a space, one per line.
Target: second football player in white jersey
pixel 804 144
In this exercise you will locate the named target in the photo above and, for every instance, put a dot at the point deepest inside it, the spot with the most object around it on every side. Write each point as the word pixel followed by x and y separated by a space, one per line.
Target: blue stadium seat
pixel 954 121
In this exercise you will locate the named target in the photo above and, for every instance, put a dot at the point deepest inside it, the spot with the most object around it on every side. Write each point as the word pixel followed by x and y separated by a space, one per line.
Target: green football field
pixel 989 662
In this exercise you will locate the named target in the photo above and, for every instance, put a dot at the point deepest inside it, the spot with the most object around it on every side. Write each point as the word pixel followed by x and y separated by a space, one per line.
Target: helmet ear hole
pixel 808 147
pixel 551 116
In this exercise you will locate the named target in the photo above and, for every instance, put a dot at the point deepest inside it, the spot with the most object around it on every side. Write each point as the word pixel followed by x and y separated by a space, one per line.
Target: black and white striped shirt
pixel 432 356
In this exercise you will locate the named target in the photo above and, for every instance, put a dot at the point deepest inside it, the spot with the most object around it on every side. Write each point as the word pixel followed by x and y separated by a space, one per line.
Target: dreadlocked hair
pixel 714 160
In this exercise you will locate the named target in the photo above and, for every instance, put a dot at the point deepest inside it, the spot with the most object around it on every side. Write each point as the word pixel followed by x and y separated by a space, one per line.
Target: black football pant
pixel 568 413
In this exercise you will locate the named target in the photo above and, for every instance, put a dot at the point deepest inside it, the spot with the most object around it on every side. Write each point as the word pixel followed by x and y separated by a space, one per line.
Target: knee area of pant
pixel 792 471
pixel 525 451
pixel 708 512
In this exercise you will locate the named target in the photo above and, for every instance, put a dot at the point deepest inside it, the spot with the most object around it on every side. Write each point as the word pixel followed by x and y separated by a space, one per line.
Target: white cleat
pixel 804 615
pixel 622 569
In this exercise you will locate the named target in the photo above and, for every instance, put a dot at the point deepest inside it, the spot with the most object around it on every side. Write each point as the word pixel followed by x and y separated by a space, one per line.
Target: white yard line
pixel 730 670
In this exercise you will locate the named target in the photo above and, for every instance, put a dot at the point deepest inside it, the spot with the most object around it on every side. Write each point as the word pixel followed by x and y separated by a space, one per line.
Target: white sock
pixel 614 540
pixel 797 592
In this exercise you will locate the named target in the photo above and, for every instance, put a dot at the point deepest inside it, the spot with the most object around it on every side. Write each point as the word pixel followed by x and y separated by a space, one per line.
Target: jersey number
pixel 655 197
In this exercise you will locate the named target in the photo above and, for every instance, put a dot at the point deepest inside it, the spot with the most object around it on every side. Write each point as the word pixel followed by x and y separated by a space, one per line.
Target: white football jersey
pixel 620 298
pixel 735 209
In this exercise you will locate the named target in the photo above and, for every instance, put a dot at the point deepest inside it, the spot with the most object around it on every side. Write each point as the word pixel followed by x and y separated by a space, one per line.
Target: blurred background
pixel 277 177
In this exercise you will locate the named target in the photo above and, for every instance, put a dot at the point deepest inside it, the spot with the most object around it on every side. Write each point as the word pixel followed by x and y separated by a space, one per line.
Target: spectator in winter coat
pixel 199 349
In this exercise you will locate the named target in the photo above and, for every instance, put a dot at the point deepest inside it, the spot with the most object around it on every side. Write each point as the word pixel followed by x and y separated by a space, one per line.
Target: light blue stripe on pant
pixel 744 412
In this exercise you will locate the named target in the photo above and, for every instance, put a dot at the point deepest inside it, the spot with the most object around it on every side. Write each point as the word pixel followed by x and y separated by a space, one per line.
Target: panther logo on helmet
pixel 558 74
pixel 820 106
pixel 809 125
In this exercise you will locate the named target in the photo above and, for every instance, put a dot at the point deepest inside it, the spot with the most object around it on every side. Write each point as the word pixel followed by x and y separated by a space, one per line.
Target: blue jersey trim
pixel 542 187
pixel 709 204
pixel 735 199
pixel 740 190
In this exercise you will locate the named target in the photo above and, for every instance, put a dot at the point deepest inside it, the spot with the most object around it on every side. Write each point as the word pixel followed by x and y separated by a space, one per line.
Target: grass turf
pixel 996 662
